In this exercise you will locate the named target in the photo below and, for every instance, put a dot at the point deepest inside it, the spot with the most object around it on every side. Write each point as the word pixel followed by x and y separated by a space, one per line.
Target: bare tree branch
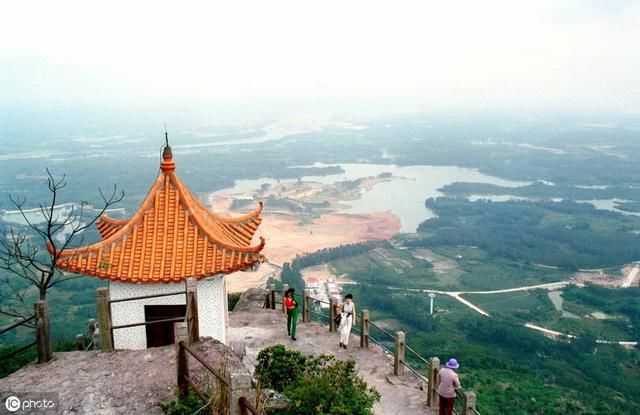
pixel 21 256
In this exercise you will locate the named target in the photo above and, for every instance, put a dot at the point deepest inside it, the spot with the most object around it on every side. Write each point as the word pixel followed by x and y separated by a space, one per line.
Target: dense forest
pixel 565 234
pixel 540 190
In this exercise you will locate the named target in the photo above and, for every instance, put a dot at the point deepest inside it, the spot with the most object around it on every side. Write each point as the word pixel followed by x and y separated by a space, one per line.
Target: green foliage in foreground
pixel 315 385
pixel 188 405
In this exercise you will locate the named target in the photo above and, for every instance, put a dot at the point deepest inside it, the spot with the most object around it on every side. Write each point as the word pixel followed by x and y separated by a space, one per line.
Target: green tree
pixel 315 385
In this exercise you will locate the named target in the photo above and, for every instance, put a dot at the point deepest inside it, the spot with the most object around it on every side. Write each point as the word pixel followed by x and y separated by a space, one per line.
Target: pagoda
pixel 171 237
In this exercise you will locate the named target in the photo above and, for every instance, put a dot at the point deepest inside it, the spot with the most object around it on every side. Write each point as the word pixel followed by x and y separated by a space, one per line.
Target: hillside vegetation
pixel 566 234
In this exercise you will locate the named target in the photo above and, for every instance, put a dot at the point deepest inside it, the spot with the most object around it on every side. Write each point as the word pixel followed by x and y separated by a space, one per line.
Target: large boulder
pixel 253 298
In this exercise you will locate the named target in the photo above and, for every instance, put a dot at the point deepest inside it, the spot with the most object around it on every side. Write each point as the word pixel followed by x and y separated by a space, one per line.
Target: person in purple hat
pixel 448 382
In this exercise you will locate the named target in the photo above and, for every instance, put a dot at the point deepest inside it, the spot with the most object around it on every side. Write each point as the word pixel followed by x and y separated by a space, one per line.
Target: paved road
pixel 549 286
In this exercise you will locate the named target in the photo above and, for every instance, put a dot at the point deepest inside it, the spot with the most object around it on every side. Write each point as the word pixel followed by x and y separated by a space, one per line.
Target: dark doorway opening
pixel 161 334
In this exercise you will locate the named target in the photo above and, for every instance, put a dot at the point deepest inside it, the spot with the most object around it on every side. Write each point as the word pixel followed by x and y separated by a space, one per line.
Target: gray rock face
pixel 252 299
pixel 123 382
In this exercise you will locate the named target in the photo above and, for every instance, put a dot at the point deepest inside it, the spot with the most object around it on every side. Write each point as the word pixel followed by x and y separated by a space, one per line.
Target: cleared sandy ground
pixel 286 237
pixel 319 221
pixel 241 281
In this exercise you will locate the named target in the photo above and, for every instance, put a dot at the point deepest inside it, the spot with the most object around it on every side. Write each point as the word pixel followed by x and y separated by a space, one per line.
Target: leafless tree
pixel 27 263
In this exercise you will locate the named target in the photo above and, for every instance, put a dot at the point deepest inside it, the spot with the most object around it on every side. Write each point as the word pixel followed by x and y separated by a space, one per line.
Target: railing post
pixel 398 356
pixel 364 332
pixel 333 305
pixel 240 386
pixel 104 319
pixel 272 287
pixel 434 366
pixel 468 403
pixel 306 314
pixel 285 288
pixel 192 310
pixel 43 337
pixel 181 334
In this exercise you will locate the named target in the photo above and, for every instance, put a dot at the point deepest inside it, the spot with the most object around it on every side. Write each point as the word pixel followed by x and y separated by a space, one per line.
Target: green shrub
pixel 279 367
pixel 316 385
pixel 330 386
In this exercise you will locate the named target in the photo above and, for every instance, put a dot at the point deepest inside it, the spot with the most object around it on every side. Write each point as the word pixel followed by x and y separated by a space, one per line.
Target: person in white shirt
pixel 347 311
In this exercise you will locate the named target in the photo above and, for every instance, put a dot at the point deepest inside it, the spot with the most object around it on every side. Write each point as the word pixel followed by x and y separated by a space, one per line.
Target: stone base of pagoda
pixel 212 309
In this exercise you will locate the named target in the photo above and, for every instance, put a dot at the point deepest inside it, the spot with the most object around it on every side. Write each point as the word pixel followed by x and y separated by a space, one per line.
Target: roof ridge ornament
pixel 167 165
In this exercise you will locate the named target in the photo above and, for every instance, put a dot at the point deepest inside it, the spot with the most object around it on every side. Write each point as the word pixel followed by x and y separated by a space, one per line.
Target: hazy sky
pixel 395 55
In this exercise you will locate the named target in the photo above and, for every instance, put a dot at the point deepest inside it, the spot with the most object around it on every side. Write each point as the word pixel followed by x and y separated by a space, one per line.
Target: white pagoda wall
pixel 212 309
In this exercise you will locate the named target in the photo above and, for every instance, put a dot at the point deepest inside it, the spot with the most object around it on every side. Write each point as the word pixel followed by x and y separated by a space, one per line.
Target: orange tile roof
pixel 172 236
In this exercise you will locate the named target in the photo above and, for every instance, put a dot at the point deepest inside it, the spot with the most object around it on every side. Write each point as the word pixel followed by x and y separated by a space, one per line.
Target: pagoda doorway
pixel 161 334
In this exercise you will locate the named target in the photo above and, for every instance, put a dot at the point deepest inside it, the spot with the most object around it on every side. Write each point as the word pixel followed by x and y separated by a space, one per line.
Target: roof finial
pixel 166 135
pixel 167 164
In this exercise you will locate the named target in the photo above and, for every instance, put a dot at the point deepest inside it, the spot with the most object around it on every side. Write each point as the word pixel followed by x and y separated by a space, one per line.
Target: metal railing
pixel 19 323
pixel 40 325
pixel 246 407
pixel 23 348
pixel 363 325
pixel 380 343
pixel 143 297
pixel 232 384
pixel 185 380
pixel 320 315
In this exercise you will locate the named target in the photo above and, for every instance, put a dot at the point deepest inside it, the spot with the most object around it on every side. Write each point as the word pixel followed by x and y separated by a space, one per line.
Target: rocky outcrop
pixel 122 382
pixel 252 299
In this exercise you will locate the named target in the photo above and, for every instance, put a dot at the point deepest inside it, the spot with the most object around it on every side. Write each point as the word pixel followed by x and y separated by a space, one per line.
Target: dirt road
pixel 631 277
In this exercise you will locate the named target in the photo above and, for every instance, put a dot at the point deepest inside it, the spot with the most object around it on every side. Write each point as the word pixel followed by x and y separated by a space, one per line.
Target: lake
pixel 405 198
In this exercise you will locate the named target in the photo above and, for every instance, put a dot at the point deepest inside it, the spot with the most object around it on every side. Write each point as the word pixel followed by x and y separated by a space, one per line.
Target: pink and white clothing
pixel 448 382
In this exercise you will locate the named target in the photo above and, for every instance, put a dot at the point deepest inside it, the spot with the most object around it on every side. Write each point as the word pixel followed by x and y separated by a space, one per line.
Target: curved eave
pixel 112 221
pixel 108 226
pixel 195 214
pixel 198 215
pixel 254 215
pixel 174 279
